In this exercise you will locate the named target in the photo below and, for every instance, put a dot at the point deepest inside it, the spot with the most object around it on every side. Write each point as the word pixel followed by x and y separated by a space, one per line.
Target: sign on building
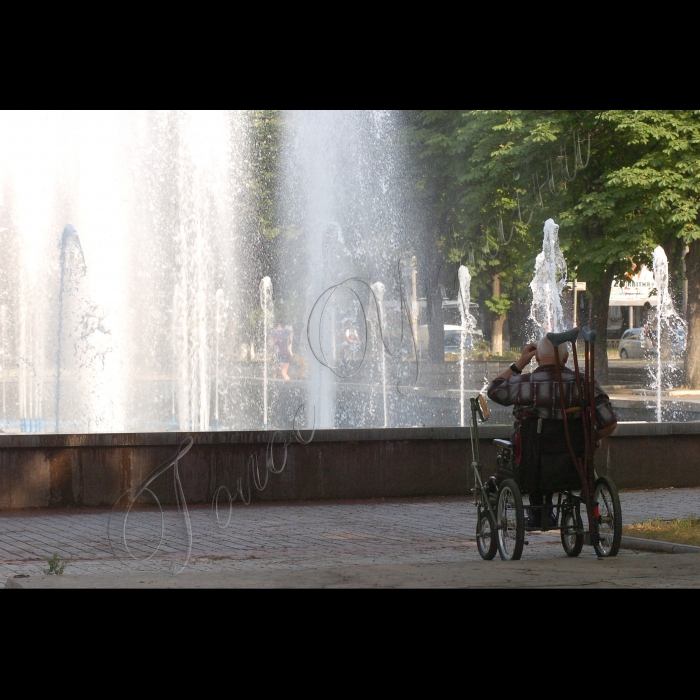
pixel 635 290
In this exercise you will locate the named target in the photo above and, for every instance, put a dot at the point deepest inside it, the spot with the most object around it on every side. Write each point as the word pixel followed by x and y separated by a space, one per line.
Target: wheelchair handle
pixel 557 339
pixel 588 335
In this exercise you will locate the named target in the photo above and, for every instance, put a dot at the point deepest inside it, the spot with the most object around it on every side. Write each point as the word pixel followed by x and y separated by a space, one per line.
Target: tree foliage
pixel 501 173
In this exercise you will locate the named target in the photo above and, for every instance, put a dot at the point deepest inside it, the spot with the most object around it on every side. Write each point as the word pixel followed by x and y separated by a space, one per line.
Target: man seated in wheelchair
pixel 542 464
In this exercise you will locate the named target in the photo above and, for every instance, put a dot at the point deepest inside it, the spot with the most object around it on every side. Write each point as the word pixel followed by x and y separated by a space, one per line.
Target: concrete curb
pixel 12 582
pixel 643 545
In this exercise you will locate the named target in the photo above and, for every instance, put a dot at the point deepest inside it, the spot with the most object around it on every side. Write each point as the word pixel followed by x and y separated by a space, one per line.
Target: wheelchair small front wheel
pixel 486 540
pixel 572 531
pixel 511 521
pixel 605 494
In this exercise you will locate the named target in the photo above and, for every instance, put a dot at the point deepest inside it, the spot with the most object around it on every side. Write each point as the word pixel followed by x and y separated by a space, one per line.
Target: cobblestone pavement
pixel 288 536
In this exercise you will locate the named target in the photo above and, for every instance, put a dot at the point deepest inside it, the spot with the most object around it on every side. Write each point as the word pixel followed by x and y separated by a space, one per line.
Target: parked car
pixel 633 344
pixel 678 341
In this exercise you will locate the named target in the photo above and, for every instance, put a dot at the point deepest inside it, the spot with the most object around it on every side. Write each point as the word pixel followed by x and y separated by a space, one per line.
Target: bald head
pixel 545 353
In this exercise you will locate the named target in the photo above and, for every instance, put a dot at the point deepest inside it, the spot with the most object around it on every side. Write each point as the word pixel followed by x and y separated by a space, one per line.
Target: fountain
pixel 3 352
pixel 217 326
pixel 72 275
pixel 379 290
pixel 134 295
pixel 468 323
pixel 158 197
pixel 133 318
pixel 267 307
pixel 548 284
pixel 347 202
pixel 665 323
pixel 173 366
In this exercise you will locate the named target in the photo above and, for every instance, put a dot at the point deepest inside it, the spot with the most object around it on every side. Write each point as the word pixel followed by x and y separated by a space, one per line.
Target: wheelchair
pixel 501 520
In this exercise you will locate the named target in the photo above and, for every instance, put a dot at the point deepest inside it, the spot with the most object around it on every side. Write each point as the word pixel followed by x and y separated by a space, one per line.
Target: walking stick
pixel 582 469
pixel 589 337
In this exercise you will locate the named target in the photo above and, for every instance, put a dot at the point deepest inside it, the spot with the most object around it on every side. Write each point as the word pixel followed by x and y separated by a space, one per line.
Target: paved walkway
pixel 273 538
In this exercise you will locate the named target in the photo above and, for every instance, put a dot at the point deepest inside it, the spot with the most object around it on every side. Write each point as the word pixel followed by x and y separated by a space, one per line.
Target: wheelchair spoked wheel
pixel 486 539
pixel 605 494
pixel 511 521
pixel 571 521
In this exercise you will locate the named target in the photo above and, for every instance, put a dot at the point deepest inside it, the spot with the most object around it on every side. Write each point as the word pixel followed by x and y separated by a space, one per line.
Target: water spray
pixel 548 284
pixel 70 244
pixel 266 304
pixel 173 336
pixel 219 302
pixel 468 323
pixel 379 291
pixel 407 320
pixel 3 321
pixel 666 318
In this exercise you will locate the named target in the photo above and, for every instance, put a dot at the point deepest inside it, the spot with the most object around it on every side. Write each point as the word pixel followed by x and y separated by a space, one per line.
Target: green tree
pixel 665 181
pixel 266 132
pixel 505 171
pixel 460 179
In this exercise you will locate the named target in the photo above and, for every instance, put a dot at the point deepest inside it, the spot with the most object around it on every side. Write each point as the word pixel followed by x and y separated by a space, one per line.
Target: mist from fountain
pixel 267 307
pixel 217 351
pixel 379 290
pixel 344 205
pixel 468 325
pixel 161 265
pixel 158 198
pixel 666 322
pixel 546 313
pixel 3 353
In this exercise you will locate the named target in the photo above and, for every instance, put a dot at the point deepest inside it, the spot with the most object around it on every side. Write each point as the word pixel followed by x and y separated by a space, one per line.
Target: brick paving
pixel 289 536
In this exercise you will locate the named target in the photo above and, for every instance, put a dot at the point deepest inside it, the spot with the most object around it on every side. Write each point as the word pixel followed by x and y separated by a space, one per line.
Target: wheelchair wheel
pixel 610 523
pixel 511 521
pixel 486 539
pixel 571 541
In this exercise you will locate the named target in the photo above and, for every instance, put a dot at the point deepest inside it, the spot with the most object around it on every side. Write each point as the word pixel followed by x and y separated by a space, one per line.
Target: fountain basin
pixel 73 471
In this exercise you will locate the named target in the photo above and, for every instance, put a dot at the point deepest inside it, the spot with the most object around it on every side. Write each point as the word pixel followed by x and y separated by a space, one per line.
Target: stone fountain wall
pixel 73 471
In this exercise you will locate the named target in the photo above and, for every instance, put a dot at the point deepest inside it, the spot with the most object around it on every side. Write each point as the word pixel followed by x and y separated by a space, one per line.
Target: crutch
pixel 582 468
pixel 589 338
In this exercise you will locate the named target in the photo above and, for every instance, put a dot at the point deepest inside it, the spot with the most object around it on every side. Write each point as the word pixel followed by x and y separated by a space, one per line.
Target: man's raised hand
pixel 529 351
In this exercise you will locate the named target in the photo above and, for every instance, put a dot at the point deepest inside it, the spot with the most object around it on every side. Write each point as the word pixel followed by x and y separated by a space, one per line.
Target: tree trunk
pixel 675 253
pixel 598 321
pixel 517 322
pixel 432 264
pixel 497 335
pixel 692 358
